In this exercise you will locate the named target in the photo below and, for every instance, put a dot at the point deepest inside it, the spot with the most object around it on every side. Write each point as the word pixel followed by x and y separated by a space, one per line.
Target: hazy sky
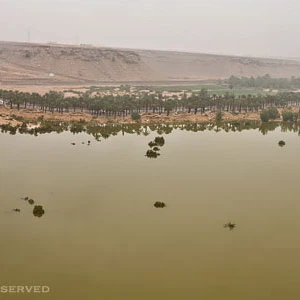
pixel 242 27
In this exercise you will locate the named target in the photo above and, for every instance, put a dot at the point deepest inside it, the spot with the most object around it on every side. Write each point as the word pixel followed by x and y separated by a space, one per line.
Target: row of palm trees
pixel 122 105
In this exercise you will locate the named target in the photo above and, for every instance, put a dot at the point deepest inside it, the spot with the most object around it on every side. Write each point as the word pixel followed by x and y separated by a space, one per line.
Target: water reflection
pixel 99 131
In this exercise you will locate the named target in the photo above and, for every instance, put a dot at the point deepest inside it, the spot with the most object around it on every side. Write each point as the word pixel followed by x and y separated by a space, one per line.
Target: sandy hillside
pixel 53 64
pixel 37 63
pixel 193 66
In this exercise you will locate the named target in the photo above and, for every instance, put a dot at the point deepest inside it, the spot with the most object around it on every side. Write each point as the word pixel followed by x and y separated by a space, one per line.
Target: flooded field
pixel 101 237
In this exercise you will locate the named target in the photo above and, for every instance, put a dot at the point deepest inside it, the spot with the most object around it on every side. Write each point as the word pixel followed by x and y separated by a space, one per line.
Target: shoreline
pixel 16 117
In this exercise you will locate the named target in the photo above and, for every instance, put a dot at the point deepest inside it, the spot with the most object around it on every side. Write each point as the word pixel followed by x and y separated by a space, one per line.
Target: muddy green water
pixel 101 237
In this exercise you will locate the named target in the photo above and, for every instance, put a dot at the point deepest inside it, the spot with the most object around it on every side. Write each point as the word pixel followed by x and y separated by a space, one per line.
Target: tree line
pixel 265 81
pixel 126 104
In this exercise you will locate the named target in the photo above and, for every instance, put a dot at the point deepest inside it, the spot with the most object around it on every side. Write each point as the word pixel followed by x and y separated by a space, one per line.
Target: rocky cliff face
pixel 52 63
pixel 33 62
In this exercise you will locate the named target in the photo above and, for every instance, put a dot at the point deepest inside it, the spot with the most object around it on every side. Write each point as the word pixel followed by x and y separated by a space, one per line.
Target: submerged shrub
pixel 229 225
pixel 152 144
pixel 159 140
pixel 156 149
pixel 31 201
pixel 152 154
pixel 159 204
pixel 38 211
pixel 281 143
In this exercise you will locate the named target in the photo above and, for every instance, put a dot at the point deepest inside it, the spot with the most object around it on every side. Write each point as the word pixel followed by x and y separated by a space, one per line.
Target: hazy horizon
pixel 245 28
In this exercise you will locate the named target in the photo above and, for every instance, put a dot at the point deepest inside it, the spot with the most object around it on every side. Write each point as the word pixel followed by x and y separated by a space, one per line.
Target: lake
pixel 102 238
